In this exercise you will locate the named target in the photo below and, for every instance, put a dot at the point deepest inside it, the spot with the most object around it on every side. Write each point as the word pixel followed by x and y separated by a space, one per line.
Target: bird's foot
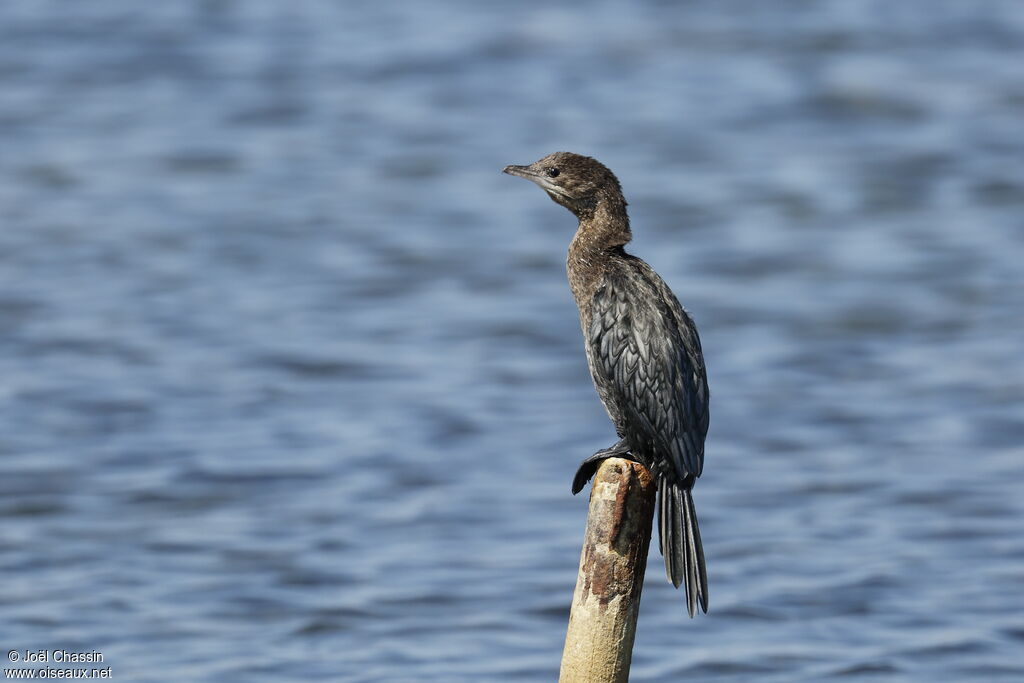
pixel 588 468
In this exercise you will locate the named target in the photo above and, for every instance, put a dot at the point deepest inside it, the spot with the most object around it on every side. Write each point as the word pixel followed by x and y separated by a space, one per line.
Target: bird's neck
pixel 603 227
pixel 601 234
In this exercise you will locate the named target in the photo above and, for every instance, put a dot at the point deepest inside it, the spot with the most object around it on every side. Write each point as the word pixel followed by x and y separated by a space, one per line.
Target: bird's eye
pixel 552 173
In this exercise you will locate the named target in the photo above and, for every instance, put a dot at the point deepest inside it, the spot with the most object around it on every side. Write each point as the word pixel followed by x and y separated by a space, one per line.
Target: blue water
pixel 293 386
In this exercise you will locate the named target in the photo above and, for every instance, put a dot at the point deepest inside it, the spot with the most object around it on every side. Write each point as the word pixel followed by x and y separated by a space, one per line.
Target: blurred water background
pixel 293 386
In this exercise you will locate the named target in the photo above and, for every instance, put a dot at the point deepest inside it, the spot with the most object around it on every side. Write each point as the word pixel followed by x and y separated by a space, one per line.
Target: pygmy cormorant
pixel 644 355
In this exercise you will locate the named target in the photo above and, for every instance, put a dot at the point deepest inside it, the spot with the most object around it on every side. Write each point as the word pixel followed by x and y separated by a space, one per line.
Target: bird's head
pixel 576 182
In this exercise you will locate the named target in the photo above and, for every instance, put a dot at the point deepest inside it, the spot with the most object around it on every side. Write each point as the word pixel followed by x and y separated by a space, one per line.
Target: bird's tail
pixel 680 542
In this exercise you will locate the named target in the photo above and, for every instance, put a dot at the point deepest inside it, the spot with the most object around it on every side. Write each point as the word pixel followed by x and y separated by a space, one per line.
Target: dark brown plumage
pixel 644 356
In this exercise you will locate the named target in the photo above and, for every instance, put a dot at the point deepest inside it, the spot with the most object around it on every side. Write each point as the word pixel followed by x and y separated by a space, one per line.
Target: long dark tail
pixel 680 542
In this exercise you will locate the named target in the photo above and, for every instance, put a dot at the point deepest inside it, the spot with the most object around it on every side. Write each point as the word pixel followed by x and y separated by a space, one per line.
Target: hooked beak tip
pixel 515 170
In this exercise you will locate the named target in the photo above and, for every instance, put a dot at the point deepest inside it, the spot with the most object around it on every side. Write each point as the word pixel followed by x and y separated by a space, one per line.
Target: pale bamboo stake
pixel 602 621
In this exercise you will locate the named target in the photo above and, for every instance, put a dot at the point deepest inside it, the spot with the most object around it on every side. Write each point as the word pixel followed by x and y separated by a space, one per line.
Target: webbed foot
pixel 588 468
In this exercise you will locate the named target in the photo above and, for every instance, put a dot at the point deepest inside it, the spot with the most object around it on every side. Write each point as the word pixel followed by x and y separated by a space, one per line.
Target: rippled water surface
pixel 293 386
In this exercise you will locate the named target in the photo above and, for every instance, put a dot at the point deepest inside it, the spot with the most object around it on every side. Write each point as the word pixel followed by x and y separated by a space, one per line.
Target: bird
pixel 644 356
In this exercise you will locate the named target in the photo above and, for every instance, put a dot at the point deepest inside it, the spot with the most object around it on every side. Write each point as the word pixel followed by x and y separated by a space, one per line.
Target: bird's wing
pixel 646 353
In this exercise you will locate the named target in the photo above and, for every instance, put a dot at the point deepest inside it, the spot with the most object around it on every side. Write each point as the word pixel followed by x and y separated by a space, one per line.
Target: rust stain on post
pixel 602 621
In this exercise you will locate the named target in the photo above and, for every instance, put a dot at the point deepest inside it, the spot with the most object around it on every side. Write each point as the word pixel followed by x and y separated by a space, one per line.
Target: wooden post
pixel 602 621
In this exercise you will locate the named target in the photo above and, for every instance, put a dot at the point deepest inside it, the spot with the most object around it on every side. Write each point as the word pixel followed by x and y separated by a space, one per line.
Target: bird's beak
pixel 540 179
pixel 521 171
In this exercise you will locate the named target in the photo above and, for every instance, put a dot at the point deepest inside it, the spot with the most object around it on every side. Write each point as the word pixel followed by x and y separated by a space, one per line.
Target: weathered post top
pixel 602 621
